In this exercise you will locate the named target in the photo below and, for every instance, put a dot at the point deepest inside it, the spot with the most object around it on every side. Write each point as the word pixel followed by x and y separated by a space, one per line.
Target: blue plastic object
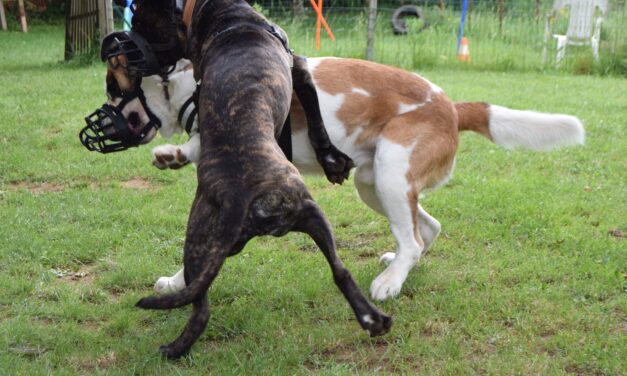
pixel 128 15
pixel 461 25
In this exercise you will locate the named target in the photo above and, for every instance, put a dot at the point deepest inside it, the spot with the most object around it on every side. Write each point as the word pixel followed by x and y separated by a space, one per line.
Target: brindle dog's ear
pixel 156 21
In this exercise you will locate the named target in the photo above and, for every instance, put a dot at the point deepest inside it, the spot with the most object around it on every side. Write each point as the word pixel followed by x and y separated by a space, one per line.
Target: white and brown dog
pixel 400 130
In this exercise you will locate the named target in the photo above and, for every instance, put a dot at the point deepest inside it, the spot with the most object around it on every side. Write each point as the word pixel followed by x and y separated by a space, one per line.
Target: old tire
pixel 398 18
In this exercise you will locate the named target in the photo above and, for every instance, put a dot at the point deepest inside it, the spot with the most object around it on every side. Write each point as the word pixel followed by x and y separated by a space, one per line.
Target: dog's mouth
pixel 136 125
pixel 134 122
pixel 137 119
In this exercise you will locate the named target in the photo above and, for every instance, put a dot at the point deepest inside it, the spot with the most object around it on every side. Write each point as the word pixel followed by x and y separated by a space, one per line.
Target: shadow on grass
pixel 51 66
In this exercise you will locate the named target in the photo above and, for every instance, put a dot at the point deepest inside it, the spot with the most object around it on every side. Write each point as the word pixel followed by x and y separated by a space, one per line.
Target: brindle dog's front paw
pixel 336 165
pixel 376 324
pixel 168 156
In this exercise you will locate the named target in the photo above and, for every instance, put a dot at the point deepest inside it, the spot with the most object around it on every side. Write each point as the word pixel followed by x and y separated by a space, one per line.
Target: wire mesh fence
pixel 502 34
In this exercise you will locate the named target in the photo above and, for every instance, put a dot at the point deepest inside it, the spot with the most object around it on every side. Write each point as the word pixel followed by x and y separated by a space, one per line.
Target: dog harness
pixel 189 113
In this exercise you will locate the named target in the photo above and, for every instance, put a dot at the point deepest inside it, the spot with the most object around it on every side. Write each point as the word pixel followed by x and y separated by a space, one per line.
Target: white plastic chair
pixel 583 28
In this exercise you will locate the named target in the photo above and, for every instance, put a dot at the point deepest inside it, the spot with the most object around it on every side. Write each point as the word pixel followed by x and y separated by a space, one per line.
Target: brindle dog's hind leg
pixel 313 223
pixel 212 235
pixel 336 165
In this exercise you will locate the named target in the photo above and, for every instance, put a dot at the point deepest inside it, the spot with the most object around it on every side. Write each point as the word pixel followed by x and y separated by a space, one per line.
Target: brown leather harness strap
pixel 188 12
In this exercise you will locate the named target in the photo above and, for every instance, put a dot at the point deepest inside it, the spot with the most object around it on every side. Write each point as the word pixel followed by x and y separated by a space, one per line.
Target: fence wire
pixel 502 34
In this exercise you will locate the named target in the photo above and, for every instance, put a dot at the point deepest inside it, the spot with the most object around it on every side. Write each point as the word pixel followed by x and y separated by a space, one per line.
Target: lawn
pixel 527 277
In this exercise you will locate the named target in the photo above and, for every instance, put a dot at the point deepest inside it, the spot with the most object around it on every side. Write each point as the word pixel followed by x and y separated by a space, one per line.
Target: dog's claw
pixel 336 165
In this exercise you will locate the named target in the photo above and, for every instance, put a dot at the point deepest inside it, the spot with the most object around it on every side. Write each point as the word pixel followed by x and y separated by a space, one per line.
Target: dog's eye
pixel 113 62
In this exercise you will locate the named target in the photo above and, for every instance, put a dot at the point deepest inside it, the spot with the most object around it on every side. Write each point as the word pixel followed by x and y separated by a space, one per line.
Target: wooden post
pixel 537 11
pixel 3 18
pixel 500 14
pixel 105 18
pixel 372 26
pixel 20 6
pixel 69 49
pixel 441 7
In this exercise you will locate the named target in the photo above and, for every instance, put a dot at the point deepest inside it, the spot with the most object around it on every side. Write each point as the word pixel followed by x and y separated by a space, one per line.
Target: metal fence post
pixel 372 26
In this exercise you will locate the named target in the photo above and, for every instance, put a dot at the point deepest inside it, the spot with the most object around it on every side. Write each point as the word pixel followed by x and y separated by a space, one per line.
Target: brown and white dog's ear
pixel 118 77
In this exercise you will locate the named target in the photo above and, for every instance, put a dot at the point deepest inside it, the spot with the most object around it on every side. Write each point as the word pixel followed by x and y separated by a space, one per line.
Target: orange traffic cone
pixel 464 53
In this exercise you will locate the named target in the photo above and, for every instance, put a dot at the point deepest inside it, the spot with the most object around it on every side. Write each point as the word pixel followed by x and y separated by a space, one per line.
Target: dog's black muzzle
pixel 139 59
pixel 108 131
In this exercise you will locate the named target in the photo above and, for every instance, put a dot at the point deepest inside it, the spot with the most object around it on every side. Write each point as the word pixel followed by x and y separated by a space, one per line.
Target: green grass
pixel 524 279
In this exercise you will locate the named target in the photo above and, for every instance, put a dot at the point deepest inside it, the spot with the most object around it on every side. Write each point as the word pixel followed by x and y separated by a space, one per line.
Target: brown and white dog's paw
pixel 388 284
pixel 167 285
pixel 164 286
pixel 169 156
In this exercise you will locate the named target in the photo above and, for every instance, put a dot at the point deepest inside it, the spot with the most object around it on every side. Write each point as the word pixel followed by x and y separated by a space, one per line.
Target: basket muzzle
pixel 108 130
pixel 131 51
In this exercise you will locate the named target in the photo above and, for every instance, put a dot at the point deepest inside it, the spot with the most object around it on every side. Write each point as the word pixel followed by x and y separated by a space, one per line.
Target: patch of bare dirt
pixel 43 320
pixel 137 183
pixel 617 233
pixel 88 366
pixel 433 329
pixel 375 358
pixel 84 274
pixel 621 325
pixel 37 188
pixel 27 350
pixel 50 132
pixel 90 325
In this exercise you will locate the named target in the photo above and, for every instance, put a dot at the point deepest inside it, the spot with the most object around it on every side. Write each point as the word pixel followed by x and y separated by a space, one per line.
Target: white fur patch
pixel 391 165
pixel 534 130
pixel 435 88
pixel 405 108
pixel 304 156
pixel 360 91
pixel 312 63
pixel 181 87
pixel 167 285
pixel 367 319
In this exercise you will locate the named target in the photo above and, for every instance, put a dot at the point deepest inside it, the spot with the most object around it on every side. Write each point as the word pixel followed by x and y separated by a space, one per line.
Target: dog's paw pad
pixel 169 156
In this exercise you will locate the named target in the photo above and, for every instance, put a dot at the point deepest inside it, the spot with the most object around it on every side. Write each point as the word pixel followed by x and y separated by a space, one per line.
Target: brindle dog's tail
pixel 207 262
pixel 186 296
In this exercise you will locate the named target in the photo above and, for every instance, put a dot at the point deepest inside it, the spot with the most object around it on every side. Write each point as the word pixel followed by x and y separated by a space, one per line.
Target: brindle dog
pixel 246 187
pixel 168 37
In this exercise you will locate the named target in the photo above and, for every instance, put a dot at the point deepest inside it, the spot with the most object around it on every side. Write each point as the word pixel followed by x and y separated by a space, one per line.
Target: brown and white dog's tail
pixel 514 128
